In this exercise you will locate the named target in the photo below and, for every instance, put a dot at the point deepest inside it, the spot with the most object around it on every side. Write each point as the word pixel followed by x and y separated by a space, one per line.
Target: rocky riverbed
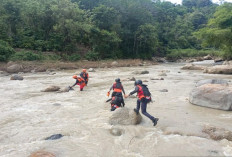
pixel 82 119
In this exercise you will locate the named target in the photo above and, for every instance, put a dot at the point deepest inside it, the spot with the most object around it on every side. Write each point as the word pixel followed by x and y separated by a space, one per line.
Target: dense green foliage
pixel 112 28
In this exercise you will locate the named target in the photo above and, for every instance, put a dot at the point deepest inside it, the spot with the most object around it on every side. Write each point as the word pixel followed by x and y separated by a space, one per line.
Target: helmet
pixel 75 76
pixel 84 70
pixel 117 80
pixel 138 82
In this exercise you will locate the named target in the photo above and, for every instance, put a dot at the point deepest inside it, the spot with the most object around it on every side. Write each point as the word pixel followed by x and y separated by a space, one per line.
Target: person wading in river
pixel 85 76
pixel 116 101
pixel 117 88
pixel 144 97
pixel 79 81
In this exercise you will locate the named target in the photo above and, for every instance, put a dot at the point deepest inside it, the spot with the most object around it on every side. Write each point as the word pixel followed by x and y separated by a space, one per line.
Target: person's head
pixel 117 80
pixel 84 70
pixel 138 82
pixel 75 76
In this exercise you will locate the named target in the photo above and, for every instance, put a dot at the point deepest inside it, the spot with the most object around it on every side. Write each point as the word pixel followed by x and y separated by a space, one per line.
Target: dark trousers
pixel 143 104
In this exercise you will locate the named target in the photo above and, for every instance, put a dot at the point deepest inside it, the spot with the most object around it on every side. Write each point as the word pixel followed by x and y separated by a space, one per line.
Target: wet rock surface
pixel 192 67
pixel 54 137
pixel 51 89
pixel 212 95
pixel 16 77
pixel 125 116
pixel 219 69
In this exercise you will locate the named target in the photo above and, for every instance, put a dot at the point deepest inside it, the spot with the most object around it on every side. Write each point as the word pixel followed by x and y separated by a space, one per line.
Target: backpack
pixel 146 93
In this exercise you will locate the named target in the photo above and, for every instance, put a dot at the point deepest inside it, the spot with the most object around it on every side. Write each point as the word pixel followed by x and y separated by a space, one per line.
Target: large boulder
pixel 42 153
pixel 192 67
pixel 212 95
pixel 51 89
pixel 212 81
pixel 217 133
pixel 65 89
pixel 15 68
pixel 219 69
pixel 16 77
pixel 125 116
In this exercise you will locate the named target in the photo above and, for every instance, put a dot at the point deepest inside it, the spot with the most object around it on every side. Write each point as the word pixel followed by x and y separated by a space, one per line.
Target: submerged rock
pixel 164 90
pixel 125 116
pixel 212 95
pixel 51 89
pixel 66 89
pixel 16 77
pixel 217 133
pixel 54 137
pixel 212 81
pixel 116 131
pixel 162 74
pixel 42 153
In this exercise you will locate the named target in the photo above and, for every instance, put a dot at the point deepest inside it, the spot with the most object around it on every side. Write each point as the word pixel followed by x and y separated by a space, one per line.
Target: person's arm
pixel 111 88
pixel 133 92
pixel 75 83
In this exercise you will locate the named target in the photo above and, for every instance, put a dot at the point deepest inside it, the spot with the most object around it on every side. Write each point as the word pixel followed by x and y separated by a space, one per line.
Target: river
pixel 28 116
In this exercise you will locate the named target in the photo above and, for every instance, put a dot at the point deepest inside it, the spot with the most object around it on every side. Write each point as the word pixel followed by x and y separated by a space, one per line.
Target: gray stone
pixel 212 95
pixel 208 57
pixel 66 89
pixel 16 77
pixel 54 137
pixel 51 89
pixel 141 72
pixel 56 104
pixel 212 81
pixel 125 116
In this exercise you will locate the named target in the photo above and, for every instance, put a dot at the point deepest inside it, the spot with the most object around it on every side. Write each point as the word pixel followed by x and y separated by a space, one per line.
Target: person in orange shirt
pixel 117 88
pixel 79 81
pixel 85 76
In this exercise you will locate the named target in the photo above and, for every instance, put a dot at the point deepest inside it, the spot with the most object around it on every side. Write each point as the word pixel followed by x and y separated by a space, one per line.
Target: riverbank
pixel 42 66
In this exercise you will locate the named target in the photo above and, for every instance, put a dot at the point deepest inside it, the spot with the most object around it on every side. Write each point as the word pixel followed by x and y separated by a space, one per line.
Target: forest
pixel 71 30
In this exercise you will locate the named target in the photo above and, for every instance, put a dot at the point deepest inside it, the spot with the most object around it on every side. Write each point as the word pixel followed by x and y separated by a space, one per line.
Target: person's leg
pixel 137 107
pixel 144 111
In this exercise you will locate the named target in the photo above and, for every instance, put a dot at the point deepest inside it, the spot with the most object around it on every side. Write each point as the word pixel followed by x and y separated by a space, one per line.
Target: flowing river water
pixel 28 116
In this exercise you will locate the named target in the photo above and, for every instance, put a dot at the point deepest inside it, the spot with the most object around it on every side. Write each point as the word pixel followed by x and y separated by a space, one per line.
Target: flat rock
pixel 16 77
pixel 51 89
pixel 212 81
pixel 215 96
pixel 125 116
pixel 141 72
pixel 54 137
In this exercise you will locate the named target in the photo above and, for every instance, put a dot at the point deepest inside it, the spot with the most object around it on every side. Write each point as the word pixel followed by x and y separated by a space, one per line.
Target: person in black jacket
pixel 142 101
